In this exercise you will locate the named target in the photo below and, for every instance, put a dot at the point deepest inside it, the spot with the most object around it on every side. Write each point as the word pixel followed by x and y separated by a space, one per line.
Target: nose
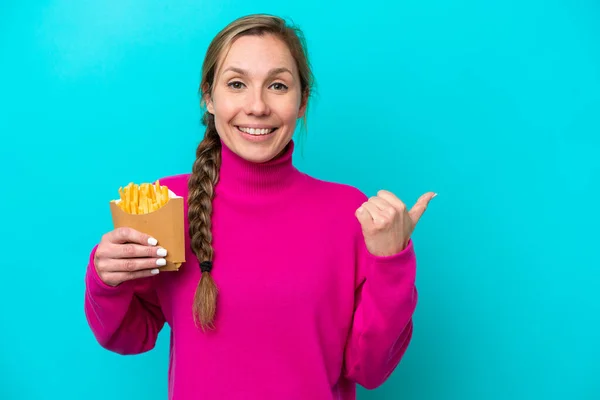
pixel 256 104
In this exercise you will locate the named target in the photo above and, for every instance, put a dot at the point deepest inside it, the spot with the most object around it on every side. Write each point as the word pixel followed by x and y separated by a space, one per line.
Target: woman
pixel 294 288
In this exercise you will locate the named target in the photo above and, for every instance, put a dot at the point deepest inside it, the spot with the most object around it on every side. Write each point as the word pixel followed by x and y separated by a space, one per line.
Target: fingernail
pixel 154 271
pixel 360 209
pixel 152 241
pixel 161 261
pixel 161 252
pixel 435 194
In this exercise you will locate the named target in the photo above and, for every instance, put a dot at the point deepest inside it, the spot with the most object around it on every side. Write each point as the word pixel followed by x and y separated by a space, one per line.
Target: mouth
pixel 263 131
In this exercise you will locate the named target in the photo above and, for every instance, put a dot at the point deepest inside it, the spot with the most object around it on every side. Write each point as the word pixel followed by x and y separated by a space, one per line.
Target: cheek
pixel 288 110
pixel 224 108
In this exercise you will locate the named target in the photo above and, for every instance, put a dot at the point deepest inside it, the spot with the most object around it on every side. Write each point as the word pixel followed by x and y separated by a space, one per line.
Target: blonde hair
pixel 205 171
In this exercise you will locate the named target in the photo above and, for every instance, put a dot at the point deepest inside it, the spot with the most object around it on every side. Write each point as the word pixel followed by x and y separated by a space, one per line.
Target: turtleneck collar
pixel 240 177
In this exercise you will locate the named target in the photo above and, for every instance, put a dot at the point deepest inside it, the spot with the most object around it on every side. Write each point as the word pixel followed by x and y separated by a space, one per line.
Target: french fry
pixel 135 208
pixel 144 198
pixel 164 194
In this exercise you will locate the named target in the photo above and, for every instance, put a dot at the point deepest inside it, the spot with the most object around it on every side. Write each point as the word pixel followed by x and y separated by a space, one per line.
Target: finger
pixel 393 200
pixel 416 212
pixel 381 203
pixel 115 278
pixel 364 217
pixel 129 264
pixel 386 210
pixel 377 216
pixel 131 250
pixel 129 235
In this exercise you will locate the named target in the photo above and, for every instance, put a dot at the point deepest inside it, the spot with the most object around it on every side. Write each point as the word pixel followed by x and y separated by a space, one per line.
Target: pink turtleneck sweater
pixel 304 310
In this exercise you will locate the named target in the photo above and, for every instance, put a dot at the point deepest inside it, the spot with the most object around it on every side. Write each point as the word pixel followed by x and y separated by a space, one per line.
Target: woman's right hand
pixel 125 254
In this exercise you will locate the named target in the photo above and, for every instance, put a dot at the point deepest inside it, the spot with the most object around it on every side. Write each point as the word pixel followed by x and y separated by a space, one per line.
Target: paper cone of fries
pixel 156 211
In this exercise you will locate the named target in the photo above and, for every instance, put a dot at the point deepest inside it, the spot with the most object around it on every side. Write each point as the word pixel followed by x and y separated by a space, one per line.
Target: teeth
pixel 253 131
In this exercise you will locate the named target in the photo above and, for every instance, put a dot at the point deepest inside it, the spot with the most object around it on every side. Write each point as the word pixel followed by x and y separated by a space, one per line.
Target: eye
pixel 279 86
pixel 235 85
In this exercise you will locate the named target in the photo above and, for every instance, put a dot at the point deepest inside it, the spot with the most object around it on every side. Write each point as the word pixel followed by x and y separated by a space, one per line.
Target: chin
pixel 258 150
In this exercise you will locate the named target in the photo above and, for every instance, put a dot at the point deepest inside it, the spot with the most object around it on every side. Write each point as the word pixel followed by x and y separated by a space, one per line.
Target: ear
pixel 303 104
pixel 207 99
pixel 209 105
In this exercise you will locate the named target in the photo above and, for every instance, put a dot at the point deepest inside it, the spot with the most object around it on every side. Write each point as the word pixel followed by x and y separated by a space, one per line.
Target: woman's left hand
pixel 387 224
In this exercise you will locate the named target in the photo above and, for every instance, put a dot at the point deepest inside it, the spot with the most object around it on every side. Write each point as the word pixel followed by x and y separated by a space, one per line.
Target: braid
pixel 204 177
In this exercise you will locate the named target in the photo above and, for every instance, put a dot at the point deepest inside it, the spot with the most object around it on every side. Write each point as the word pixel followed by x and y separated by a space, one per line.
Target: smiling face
pixel 257 97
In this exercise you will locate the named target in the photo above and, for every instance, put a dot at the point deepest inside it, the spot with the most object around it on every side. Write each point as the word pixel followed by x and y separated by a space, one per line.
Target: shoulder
pixel 340 195
pixel 178 184
pixel 333 205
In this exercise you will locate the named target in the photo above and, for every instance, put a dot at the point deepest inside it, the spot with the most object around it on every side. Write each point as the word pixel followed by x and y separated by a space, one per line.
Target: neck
pixel 239 176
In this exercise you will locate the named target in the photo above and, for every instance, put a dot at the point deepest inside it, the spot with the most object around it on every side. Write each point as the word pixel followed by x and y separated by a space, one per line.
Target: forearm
pixel 125 319
pixel 382 326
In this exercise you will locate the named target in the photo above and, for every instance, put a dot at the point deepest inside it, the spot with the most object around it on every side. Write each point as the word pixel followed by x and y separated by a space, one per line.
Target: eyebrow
pixel 273 72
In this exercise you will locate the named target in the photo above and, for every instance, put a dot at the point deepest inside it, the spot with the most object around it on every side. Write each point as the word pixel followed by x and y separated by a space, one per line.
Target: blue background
pixel 494 105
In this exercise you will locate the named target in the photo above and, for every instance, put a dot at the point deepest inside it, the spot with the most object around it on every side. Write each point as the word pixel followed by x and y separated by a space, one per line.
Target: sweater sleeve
pixel 382 326
pixel 125 319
